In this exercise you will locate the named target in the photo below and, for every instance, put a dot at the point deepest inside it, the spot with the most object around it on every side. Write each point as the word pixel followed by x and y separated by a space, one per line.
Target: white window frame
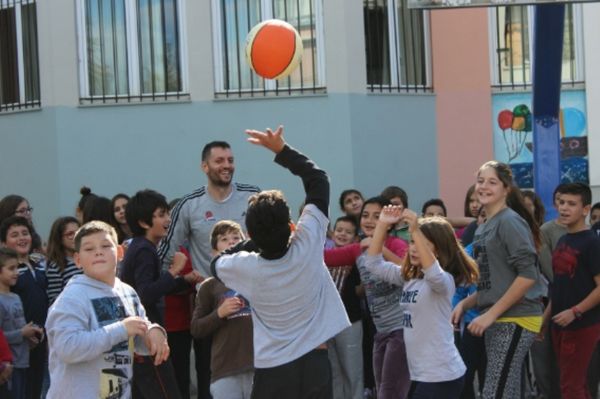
pixel 396 67
pixel 267 13
pixel 133 61
pixel 577 40
pixel 4 5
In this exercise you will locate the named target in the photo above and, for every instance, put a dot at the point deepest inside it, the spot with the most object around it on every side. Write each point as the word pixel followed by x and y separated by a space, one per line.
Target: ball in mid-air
pixel 273 49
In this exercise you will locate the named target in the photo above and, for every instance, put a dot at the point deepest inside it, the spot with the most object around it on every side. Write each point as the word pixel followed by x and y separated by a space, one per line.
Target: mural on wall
pixel 513 135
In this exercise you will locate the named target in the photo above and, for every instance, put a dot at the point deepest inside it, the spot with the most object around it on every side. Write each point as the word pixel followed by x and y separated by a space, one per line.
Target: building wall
pixel 461 70
pixel 361 140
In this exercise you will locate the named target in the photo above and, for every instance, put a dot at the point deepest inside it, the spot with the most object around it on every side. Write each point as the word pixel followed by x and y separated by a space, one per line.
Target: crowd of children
pixel 386 304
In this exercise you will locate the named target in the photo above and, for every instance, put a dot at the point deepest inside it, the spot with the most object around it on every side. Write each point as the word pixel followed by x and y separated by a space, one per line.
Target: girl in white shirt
pixel 434 265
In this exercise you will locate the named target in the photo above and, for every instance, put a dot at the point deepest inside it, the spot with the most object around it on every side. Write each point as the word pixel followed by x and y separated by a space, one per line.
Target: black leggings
pixel 437 390
pixel 308 377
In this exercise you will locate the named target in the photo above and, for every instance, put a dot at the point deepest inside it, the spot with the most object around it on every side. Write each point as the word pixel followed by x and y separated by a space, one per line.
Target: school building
pixel 121 95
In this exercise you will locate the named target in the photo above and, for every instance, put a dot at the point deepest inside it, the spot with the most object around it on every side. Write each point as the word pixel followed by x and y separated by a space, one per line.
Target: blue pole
pixel 547 64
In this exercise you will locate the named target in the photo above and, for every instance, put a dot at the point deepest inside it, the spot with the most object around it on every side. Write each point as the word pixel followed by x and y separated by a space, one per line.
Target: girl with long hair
pixel 509 290
pixel 61 246
pixel 435 264
pixel 118 220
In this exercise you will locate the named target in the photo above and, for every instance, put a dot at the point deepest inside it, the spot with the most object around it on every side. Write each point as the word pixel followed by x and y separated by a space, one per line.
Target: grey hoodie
pixel 90 353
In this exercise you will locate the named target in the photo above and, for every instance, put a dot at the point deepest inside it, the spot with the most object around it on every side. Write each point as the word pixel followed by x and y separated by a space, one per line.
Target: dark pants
pixel 545 367
pixel 472 351
pixel 202 356
pixel 437 390
pixel 153 382
pixel 308 377
pixel 390 366
pixel 180 343
pixel 18 383
pixel 594 372
pixel 574 350
pixel 4 392
pixel 38 358
pixel 368 337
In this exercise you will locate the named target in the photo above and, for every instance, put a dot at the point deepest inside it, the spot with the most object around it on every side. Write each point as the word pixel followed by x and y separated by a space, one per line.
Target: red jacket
pixel 5 354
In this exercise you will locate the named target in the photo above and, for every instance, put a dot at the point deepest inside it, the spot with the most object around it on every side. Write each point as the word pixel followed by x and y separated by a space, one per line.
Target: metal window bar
pixel 164 45
pixel 377 38
pixel 518 20
pixel 19 66
pixel 108 42
pixel 396 48
pixel 237 18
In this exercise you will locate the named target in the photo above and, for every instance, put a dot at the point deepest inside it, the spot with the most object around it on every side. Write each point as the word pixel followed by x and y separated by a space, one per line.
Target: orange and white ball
pixel 273 49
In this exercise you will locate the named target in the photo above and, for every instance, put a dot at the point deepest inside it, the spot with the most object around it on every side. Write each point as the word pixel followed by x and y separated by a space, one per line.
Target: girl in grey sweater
pixel 509 289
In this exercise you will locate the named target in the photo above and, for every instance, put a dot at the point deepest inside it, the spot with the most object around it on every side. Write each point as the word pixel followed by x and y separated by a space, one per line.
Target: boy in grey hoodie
pixel 95 324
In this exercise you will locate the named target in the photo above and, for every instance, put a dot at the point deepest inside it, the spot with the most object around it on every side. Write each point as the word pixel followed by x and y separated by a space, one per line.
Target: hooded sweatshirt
pixel 91 355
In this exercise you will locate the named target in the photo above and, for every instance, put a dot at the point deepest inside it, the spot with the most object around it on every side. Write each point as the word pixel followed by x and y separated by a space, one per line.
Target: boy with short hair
pixel 147 215
pixel 224 314
pixel 295 305
pixel 434 207
pixel 345 231
pixel 595 214
pixel 148 218
pixel 12 322
pixel 575 291
pixel 345 349
pixel 17 234
pixel 93 325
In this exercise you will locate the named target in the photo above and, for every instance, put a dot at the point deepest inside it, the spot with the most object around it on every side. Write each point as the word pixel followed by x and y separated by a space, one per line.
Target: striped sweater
pixel 193 219
pixel 57 280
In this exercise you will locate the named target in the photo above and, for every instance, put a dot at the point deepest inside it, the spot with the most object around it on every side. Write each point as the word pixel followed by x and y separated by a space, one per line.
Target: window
pixel 512 41
pixel 397 46
pixel 130 50
pixel 19 68
pixel 233 19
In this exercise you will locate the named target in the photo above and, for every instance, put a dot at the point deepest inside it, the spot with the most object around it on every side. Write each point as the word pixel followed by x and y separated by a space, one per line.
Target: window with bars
pixel 130 50
pixel 397 46
pixel 233 19
pixel 19 67
pixel 512 45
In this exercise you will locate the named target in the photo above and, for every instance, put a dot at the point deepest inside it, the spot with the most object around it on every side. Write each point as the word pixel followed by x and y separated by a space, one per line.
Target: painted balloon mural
pixel 513 136
pixel 518 123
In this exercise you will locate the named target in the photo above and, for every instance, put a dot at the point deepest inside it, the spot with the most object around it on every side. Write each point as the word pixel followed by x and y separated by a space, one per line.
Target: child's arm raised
pixel 375 264
pixel 315 180
pixel 425 255
pixel 434 275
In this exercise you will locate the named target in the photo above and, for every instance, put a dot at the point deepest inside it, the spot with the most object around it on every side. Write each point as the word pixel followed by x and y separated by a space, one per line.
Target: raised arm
pixel 315 180
pixel 386 271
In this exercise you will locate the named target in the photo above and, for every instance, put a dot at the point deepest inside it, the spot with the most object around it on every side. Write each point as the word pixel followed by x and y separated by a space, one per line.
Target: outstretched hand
pixel 411 219
pixel 390 214
pixel 271 140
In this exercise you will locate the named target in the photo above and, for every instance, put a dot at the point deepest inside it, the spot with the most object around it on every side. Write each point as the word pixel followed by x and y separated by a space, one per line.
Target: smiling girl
pixel 509 290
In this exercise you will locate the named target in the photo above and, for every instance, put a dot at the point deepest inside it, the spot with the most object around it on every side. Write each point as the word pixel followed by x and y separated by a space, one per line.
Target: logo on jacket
pixel 209 217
